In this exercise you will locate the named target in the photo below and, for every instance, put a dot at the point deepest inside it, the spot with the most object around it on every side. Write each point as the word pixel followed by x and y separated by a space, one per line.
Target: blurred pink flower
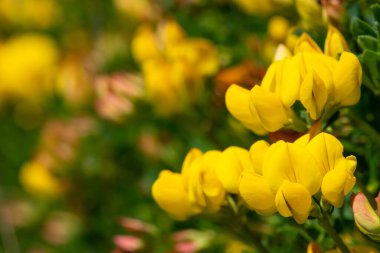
pixel 128 243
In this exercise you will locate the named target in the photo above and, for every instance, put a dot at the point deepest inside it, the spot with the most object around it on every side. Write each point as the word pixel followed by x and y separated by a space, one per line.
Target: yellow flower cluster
pixel 280 177
pixel 322 82
pixel 283 177
pixel 173 65
pixel 289 174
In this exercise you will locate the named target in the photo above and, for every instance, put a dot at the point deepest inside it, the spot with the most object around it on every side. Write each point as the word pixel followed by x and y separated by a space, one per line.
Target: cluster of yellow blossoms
pixel 289 178
pixel 280 177
pixel 322 82
pixel 167 54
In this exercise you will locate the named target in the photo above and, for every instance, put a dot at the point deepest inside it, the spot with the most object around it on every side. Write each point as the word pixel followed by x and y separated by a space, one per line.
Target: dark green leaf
pixel 368 42
pixel 359 27
pixel 376 12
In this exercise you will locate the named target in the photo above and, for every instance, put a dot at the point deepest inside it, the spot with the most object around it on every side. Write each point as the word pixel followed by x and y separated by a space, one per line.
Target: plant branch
pixel 325 223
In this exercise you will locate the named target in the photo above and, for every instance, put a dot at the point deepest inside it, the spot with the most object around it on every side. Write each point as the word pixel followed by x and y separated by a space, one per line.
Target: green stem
pixel 325 223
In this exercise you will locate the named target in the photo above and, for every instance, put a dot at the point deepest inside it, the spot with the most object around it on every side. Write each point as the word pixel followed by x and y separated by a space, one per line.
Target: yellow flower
pixel 231 164
pixel 39 180
pixel 259 109
pixel 27 67
pixel 294 177
pixel 254 188
pixel 197 189
pixel 170 194
pixel 337 170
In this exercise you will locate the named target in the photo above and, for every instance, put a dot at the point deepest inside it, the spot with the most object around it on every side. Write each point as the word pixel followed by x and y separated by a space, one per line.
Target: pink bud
pixel 366 218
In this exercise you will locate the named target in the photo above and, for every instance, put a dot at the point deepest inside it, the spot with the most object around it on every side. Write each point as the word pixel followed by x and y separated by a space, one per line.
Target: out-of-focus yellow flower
pixel 27 67
pixel 174 66
pixel 197 189
pixel 142 9
pixel 260 110
pixel 311 13
pixel 39 180
pixel 40 13
pixel 278 28
pixel 144 44
pixel 260 7
pixel 337 170
pixel 74 82
pixel 366 218
pixel 313 247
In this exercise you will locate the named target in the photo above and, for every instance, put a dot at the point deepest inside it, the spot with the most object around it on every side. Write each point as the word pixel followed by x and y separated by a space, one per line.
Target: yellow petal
pixel 212 188
pixel 347 80
pixel 293 163
pixel 230 166
pixel 313 95
pixel 255 191
pixel 191 156
pixel 327 150
pixel 169 193
pixel 257 153
pixel 335 42
pixel 269 108
pixel 283 78
pixel 293 199
pixel 237 102
pixel 306 44
pixel 334 185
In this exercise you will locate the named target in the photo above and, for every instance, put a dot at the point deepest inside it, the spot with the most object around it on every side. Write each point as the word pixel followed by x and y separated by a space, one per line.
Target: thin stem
pixel 325 223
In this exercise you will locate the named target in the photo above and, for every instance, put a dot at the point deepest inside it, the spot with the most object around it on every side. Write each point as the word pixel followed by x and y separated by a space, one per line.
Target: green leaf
pixel 370 61
pixel 368 42
pixel 376 12
pixel 359 27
